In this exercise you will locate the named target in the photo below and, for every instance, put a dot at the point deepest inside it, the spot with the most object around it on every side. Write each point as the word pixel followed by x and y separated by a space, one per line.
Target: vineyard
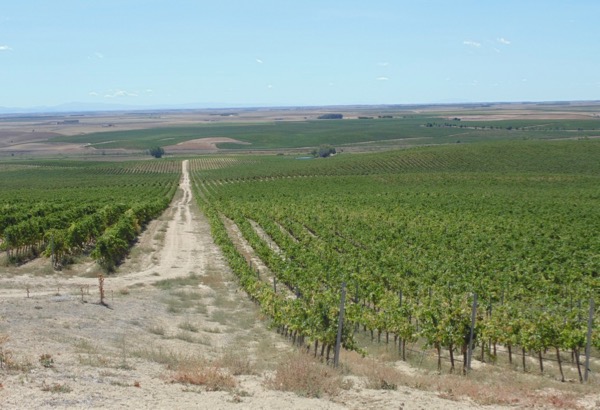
pixel 61 209
pixel 423 243
pixel 405 129
pixel 488 251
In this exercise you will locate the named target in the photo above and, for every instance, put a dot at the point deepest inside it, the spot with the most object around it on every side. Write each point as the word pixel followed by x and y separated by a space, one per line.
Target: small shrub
pixel 219 316
pixel 382 377
pixel 186 337
pixel 3 353
pixel 190 327
pixel 377 375
pixel 56 388
pixel 170 359
pixel 94 360
pixel 305 376
pixel 157 330
pixel 237 363
pixel 168 284
pixel 212 330
pixel 46 360
pixel 213 378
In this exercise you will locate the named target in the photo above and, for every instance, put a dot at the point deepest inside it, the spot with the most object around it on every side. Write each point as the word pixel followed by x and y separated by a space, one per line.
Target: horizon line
pixel 61 108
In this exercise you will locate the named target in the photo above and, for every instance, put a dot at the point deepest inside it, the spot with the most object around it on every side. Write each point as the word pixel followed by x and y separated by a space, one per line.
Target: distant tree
pixel 324 151
pixel 330 117
pixel 156 152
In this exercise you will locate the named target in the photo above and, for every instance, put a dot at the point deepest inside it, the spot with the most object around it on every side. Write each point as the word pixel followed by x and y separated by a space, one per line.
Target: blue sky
pixel 264 52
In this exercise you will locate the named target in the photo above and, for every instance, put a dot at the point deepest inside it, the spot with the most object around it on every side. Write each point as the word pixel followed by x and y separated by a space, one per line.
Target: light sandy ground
pixel 201 144
pixel 118 356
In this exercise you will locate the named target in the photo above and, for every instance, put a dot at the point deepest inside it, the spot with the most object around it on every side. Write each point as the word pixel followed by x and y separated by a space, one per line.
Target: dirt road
pixel 175 245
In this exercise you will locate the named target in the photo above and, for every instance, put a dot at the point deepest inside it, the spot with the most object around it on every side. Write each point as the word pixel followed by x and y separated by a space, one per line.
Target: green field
pixel 409 130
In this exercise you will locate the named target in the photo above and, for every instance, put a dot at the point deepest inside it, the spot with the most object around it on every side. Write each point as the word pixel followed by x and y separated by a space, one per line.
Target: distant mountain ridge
pixel 90 107
pixel 81 107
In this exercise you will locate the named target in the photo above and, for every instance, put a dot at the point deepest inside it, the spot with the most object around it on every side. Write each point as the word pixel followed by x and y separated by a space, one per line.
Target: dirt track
pixel 185 249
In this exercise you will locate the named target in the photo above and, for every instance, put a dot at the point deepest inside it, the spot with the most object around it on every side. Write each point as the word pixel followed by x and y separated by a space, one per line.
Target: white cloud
pixel 119 93
pixel 96 56
pixel 270 86
pixel 502 40
pixel 472 43
pixel 5 48
pixel 259 61
pixel 382 79
pixel 383 64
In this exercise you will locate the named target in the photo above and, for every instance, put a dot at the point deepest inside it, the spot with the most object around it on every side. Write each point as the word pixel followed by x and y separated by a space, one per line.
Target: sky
pixel 297 53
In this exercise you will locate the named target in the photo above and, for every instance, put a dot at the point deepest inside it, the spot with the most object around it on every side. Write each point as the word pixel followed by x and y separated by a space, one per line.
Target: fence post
pixel 473 316
pixel 589 341
pixel 338 341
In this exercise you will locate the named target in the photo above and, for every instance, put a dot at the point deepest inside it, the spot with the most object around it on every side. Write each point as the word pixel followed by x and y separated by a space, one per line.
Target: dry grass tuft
pixel 488 386
pixel 3 351
pixel 188 326
pixel 302 374
pixel 377 375
pixel 9 361
pixel 493 386
pixel 46 360
pixel 157 330
pixel 384 378
pixel 456 387
pixel 169 358
pixel 56 388
pixel 237 363
pixel 561 401
pixel 213 279
pixel 199 373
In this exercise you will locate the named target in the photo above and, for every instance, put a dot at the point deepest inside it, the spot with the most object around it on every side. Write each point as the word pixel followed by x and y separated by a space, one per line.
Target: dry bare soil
pixel 176 332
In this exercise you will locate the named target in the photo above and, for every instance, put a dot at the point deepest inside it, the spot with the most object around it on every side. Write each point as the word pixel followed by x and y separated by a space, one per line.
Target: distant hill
pixel 88 107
